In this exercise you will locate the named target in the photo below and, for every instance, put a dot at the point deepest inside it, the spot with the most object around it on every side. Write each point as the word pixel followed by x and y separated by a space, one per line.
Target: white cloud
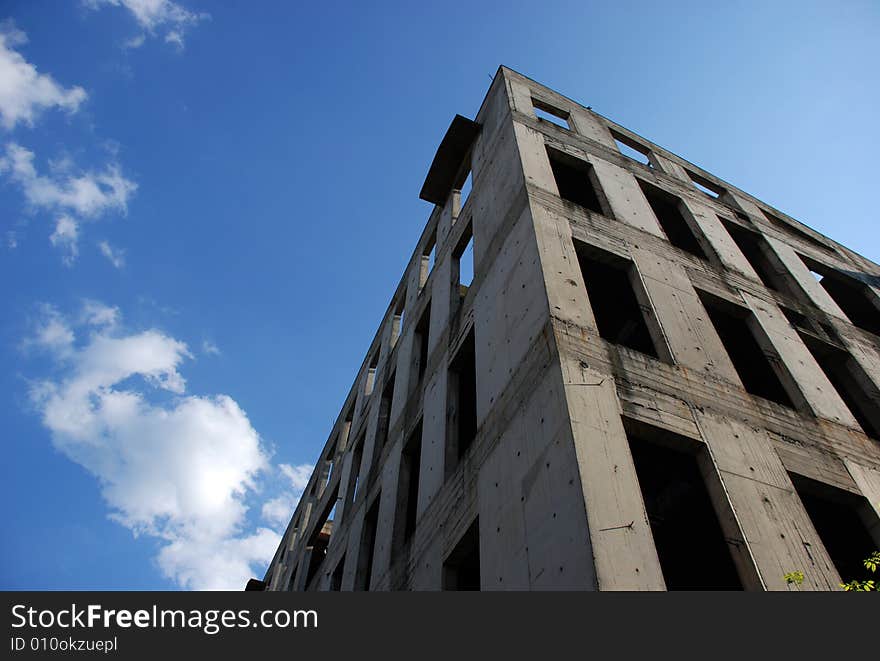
pixel 298 475
pixel 95 313
pixel 155 16
pixel 176 467
pixel 115 256
pixel 23 91
pixel 277 511
pixel 209 348
pixel 135 42
pixel 65 236
pixel 89 194
pixel 51 332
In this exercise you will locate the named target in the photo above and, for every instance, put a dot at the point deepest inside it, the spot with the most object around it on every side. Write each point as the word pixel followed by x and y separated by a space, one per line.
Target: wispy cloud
pixel 65 237
pixel 24 92
pixel 277 511
pixel 209 348
pixel 88 194
pixel 116 256
pixel 170 19
pixel 176 467
pixel 69 193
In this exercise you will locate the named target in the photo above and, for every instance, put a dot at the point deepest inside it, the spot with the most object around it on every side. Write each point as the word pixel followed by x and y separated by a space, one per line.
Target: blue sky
pixel 205 208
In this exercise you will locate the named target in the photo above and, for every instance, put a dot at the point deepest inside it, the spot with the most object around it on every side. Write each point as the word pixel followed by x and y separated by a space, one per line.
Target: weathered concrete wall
pixel 550 474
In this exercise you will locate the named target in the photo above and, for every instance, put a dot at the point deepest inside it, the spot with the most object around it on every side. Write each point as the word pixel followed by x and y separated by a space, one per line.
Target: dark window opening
pixel 320 539
pixel 632 149
pixel 795 318
pixel 370 381
pixel 354 475
pixel 548 113
pixel 408 489
pixel 690 542
pixel 461 570
pixel 757 252
pixel 574 179
pixel 421 343
pixel 364 574
pixel 851 295
pixel 706 186
pixel 462 403
pixel 329 464
pixel 465 189
pixel 617 311
pixel 384 423
pixel 787 227
pixel 292 580
pixel 749 360
pixel 667 209
pixel 463 264
pixel 843 372
pixel 843 521
pixel 397 320
pixel 428 256
pixel 336 578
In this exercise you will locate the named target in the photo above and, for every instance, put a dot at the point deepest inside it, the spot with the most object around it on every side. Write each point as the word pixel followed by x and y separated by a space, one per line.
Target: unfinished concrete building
pixel 652 381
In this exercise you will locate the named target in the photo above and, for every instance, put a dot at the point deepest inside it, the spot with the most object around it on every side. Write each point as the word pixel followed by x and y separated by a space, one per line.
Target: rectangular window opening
pixel 548 113
pixel 758 254
pixel 843 521
pixel 843 372
pixel 406 509
pixel 291 581
pixel 428 257
pixel 354 475
pixel 795 318
pixel 384 423
pixel 336 578
pixel 690 541
pixel 370 381
pixel 397 319
pixel 632 149
pixel 749 360
pixel 320 539
pixel 462 403
pixel 463 264
pixel 667 209
pixel 618 314
pixel 851 295
pixel 461 569
pixel 465 189
pixel 575 180
pixel 329 463
pixel 421 345
pixel 708 187
pixel 788 227
pixel 364 575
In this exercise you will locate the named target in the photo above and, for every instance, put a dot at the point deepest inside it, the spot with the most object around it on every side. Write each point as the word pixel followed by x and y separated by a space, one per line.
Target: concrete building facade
pixel 652 381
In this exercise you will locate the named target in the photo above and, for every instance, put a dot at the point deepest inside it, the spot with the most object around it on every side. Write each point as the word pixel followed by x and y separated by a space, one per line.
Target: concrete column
pixel 624 554
pixel 686 326
pixel 804 279
pixel 588 125
pixel 868 482
pixel 810 381
pixel 627 200
pixel 776 527
pixel 719 239
pixel 670 167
